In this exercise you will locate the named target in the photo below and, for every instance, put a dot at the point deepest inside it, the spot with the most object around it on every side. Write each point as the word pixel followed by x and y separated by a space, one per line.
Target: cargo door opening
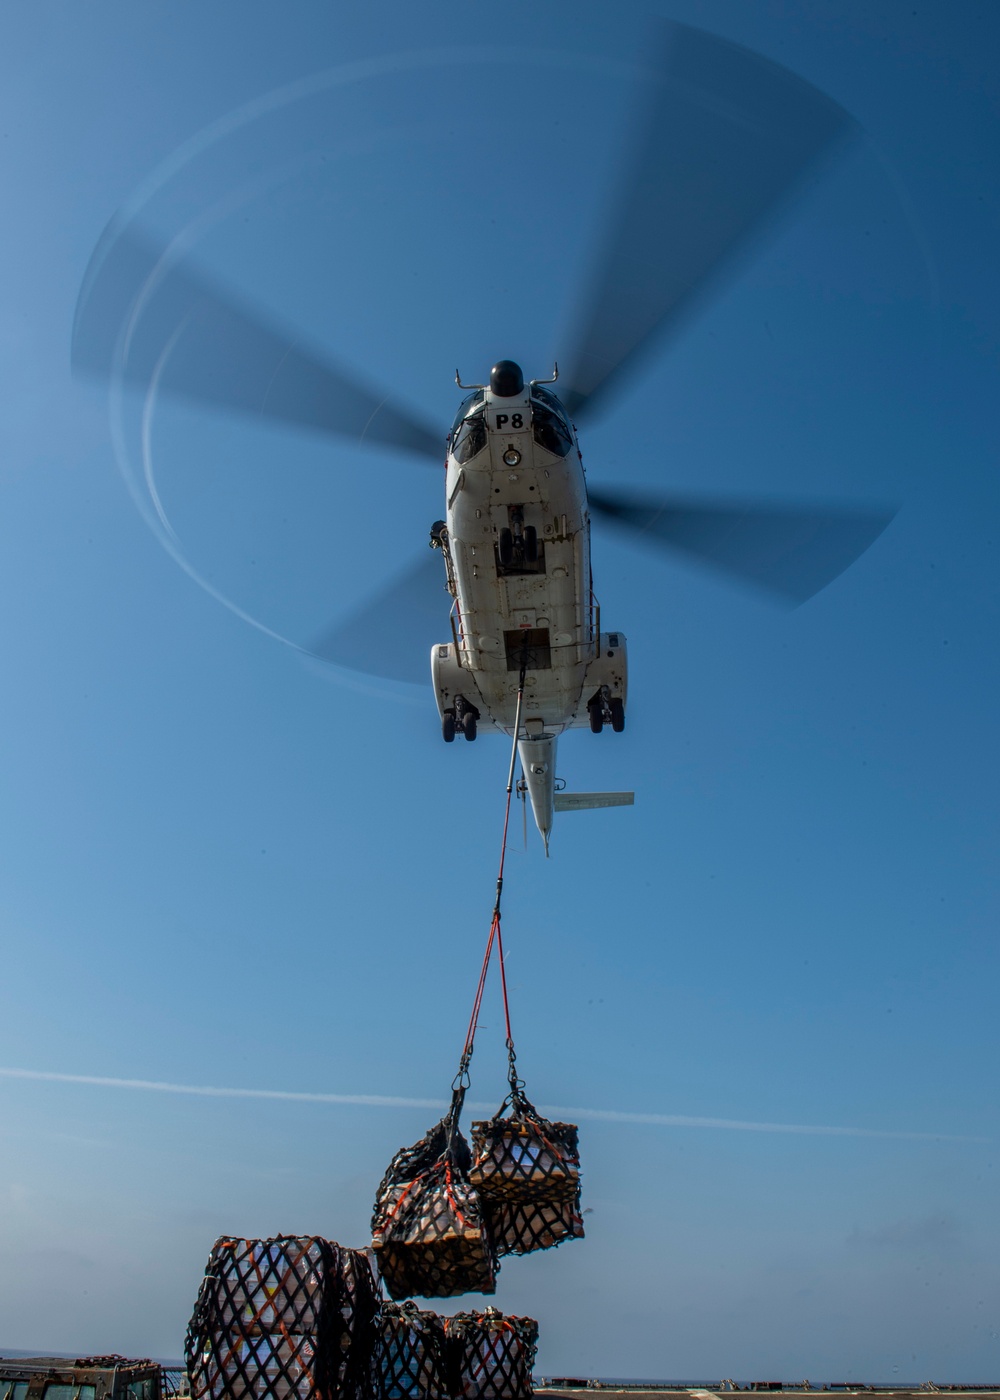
pixel 530 643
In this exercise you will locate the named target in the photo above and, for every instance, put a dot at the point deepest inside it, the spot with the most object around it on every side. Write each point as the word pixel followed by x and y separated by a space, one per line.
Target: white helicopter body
pixel 516 542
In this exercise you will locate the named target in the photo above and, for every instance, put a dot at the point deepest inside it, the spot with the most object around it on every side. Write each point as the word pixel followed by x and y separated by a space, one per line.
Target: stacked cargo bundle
pixel 491 1356
pixel 471 1356
pixel 411 1362
pixel 428 1231
pixel 290 1318
pixel 527 1171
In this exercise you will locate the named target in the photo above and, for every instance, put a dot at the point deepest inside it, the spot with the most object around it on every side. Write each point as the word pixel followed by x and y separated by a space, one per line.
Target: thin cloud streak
pixel 207 1091
pixel 675 1120
pixel 599 1115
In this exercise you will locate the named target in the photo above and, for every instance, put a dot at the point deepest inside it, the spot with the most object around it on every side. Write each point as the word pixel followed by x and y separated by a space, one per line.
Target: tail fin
pixel 579 801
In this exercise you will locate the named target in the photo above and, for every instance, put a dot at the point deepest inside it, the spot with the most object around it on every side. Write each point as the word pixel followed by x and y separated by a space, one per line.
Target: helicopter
pixel 727 139
pixel 527 651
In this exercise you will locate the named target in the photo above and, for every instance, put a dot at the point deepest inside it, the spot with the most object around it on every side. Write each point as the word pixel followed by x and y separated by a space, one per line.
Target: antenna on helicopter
pixel 458 381
pixel 555 376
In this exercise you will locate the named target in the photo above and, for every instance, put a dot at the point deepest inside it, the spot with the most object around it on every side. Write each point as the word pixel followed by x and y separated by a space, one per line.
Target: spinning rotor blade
pixel 392 634
pixel 791 551
pixel 728 137
pixel 144 315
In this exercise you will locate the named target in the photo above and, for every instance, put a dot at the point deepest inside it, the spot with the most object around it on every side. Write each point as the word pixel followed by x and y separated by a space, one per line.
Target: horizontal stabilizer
pixel 577 801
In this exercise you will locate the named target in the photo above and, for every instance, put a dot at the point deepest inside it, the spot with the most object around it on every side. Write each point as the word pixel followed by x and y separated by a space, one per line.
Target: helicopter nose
pixel 506 379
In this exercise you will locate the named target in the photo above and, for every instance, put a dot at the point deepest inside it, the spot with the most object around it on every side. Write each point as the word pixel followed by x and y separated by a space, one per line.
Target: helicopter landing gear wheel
pixel 448 727
pixel 596 710
pixel 469 727
pixel 530 544
pixel 505 547
pixel 617 715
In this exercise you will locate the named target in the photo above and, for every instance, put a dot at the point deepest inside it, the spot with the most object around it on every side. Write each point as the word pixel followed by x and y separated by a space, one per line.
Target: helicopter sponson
pixel 516 543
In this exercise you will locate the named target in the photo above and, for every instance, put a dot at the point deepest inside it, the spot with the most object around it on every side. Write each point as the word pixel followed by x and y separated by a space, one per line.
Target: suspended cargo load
pixel 521 1227
pixel 492 1357
pixel 428 1231
pixel 433 1233
pixel 289 1318
pixel 528 1174
pixel 518 1157
pixel 410 1362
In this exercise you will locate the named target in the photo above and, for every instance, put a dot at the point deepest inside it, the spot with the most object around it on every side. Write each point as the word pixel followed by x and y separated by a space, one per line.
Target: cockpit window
pixel 465 408
pixel 549 424
pixel 546 396
pixel 470 439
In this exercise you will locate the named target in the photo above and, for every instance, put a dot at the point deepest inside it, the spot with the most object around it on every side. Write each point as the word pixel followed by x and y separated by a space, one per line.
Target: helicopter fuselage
pixel 516 541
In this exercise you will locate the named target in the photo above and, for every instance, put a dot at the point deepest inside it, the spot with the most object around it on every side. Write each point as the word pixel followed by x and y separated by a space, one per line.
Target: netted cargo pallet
pixel 528 1174
pixel 428 1231
pixel 523 1156
pixel 280 1318
pixel 520 1227
pixel 491 1357
pixel 277 1366
pixel 410 1361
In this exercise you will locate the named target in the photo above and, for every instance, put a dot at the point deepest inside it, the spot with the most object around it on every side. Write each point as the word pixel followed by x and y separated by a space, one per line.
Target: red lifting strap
pixel 495 934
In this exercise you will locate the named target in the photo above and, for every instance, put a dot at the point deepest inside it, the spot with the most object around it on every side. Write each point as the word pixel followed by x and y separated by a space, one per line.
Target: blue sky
pixel 224 866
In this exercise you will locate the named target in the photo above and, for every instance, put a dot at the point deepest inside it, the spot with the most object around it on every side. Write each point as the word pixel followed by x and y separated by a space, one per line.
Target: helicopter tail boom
pixel 538 760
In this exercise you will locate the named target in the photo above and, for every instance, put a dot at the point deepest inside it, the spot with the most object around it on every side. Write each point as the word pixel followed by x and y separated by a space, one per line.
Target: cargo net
pixel 291 1318
pixel 491 1356
pixel 520 1228
pixel 410 1362
pixel 428 1231
pixel 527 1171
pixel 522 1156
